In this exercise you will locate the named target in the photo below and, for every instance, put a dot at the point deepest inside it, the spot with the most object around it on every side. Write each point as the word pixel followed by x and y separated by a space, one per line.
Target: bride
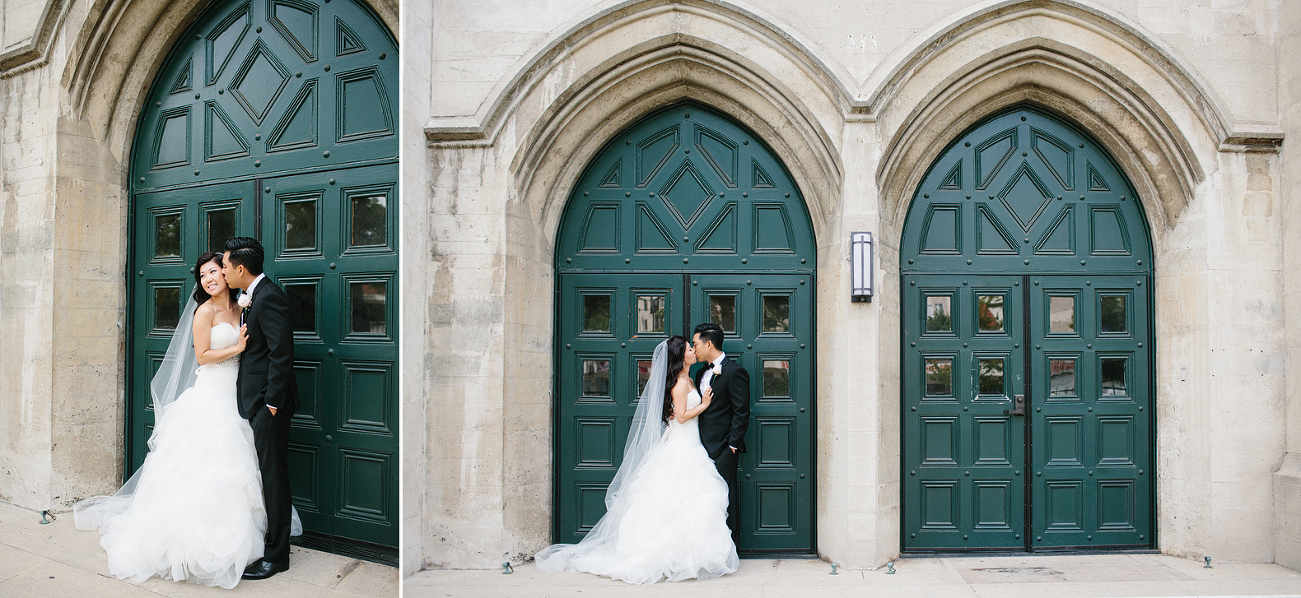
pixel 193 511
pixel 666 512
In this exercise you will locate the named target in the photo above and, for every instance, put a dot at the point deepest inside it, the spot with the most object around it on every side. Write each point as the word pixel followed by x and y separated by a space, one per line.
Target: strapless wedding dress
pixel 670 521
pixel 196 513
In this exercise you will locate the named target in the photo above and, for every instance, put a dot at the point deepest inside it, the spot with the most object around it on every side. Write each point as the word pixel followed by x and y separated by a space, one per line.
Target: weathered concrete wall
pixel 1287 480
pixel 857 101
pixel 417 40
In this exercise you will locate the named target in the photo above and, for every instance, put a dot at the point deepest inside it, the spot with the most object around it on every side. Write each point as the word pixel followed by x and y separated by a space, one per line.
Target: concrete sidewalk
pixel 59 560
pixel 1074 576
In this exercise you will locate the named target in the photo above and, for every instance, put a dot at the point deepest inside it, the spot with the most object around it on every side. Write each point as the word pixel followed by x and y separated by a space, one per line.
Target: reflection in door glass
pixel 776 313
pixel 991 376
pixel 1113 313
pixel 596 313
pixel 1113 377
pixel 221 226
pixel 167 242
pixel 167 308
pixel 937 314
pixel 643 375
pixel 596 377
pixel 722 311
pixel 1061 318
pixel 302 306
pixel 1061 377
pixel 650 313
pixel 368 300
pixel 369 220
pixel 991 312
pixel 939 377
pixel 300 225
pixel 776 378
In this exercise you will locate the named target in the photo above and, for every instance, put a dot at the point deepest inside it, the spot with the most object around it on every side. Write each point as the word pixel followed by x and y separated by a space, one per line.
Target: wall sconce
pixel 861 262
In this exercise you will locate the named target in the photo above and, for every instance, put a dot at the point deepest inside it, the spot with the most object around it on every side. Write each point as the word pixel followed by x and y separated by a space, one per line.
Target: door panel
pixel 330 242
pixel 964 453
pixel 610 325
pixel 171 229
pixel 1091 398
pixel 767 322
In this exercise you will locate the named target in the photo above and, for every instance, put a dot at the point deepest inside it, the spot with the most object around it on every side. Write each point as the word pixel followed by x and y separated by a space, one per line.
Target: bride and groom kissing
pixel 672 510
pixel 211 503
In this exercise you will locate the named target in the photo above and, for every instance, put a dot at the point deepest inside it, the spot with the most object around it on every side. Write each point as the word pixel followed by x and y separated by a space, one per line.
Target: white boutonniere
pixel 716 369
pixel 244 300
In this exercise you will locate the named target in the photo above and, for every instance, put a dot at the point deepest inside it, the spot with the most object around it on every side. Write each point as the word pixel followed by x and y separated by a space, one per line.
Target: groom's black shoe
pixel 263 569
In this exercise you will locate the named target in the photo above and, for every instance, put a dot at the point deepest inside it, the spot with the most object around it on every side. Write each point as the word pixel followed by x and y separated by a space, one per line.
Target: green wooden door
pixel 331 245
pixel 171 229
pixel 767 320
pixel 1090 371
pixel 688 206
pixel 610 325
pixel 964 373
pixel 1025 249
pixel 275 119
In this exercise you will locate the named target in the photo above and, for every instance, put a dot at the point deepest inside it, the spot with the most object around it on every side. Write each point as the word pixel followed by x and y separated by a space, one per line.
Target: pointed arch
pixel 1154 114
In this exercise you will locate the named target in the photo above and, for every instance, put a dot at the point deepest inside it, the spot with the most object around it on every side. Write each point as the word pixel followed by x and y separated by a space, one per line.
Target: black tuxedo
pixel 723 425
pixel 266 377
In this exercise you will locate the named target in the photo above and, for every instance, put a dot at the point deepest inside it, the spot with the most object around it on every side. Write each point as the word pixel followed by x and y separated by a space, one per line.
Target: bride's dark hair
pixel 676 351
pixel 201 295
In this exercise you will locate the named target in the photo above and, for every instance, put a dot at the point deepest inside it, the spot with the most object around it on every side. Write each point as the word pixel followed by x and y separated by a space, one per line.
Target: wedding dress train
pixel 668 522
pixel 196 512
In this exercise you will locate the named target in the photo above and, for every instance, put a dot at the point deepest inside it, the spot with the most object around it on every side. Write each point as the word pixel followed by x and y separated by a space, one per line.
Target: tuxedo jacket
pixel 266 368
pixel 724 421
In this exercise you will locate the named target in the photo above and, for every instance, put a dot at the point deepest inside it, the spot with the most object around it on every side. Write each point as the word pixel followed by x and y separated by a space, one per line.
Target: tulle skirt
pixel 196 512
pixel 670 522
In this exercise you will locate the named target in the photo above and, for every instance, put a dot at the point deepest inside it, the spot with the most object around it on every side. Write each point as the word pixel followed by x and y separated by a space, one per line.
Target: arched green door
pixel 684 218
pixel 275 119
pixel 1027 346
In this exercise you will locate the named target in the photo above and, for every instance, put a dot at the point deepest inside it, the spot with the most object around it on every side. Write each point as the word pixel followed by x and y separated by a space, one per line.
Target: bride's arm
pixel 203 351
pixel 681 390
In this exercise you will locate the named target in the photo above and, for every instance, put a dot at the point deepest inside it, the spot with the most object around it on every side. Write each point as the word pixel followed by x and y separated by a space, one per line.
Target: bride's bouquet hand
pixel 243 338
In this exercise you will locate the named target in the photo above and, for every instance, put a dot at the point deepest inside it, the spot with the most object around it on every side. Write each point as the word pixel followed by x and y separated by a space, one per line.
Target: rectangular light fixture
pixel 860 257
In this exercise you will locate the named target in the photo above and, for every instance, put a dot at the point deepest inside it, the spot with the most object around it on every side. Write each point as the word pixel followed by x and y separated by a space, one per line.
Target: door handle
pixel 1020 406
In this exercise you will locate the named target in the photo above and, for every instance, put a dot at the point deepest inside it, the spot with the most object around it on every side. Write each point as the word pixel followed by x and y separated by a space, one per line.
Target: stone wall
pixel 1287 480
pixel 856 100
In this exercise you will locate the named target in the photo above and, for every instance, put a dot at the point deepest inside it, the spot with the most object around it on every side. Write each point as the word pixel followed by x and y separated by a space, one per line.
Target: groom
pixel 266 391
pixel 723 423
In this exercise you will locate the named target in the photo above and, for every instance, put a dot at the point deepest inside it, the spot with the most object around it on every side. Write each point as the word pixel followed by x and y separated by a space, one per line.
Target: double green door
pixel 1027 405
pixel 331 243
pixel 610 325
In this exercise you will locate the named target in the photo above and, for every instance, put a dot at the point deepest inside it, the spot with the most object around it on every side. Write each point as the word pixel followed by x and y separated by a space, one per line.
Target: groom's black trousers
pixel 726 465
pixel 271 439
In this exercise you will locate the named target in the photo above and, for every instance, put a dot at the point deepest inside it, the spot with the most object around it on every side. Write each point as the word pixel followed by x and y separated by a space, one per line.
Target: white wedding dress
pixel 669 522
pixel 196 513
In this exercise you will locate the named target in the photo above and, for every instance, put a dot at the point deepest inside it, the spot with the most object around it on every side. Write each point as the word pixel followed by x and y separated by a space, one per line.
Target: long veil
pixel 647 430
pixel 178 372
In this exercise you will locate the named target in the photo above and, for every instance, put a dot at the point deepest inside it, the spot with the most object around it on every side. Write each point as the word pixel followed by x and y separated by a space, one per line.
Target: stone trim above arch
pixel 600 109
pixel 1149 124
pixel 778 49
pixel 1128 37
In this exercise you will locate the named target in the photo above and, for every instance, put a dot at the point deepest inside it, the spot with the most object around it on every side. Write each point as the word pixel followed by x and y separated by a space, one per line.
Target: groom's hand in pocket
pixel 272 410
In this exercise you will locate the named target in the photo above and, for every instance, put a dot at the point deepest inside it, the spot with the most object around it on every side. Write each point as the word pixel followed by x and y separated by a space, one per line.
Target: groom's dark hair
pixel 712 334
pixel 247 252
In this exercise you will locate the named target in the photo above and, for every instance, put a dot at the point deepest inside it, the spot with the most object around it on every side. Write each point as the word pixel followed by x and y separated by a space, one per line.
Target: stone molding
pixel 553 52
pixel 34 52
